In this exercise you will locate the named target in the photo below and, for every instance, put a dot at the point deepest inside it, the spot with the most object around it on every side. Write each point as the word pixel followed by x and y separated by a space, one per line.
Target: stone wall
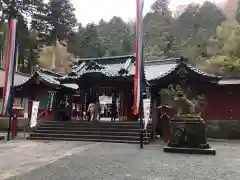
pixel 223 129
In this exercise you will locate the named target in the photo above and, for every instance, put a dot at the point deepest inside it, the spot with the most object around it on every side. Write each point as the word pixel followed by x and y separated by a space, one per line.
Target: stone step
pixel 92 125
pixel 99 132
pixel 90 122
pixel 82 139
pixel 88 136
pixel 126 132
pixel 80 123
pixel 109 129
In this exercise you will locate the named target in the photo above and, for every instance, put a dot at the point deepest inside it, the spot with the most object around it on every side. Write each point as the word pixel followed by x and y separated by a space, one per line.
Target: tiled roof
pixel 201 72
pixel 125 66
pixel 49 77
pixel 52 80
pixel 158 68
pixel 108 66
pixel 19 78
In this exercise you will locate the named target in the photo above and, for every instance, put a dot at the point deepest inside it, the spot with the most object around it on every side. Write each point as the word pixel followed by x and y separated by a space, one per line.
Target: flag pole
pixel 12 93
pixel 141 120
pixel 139 72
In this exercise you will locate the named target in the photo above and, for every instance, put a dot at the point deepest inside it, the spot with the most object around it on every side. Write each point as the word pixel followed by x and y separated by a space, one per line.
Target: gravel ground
pixel 106 161
pixel 20 156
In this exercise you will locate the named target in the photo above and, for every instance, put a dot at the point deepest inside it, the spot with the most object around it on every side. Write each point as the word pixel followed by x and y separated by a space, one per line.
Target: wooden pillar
pixel 80 104
pixel 154 113
pixel 125 105
pixel 85 102
pixel 69 100
pixel 52 106
pixel 121 117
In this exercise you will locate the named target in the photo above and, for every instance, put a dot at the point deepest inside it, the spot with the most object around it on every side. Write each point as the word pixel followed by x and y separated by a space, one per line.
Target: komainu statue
pixel 180 101
pixel 185 106
pixel 187 127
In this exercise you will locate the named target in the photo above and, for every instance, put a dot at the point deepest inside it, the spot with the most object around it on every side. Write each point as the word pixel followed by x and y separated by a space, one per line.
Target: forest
pixel 201 33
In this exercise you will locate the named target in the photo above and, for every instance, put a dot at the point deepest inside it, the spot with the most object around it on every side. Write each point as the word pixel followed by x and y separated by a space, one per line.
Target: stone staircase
pixel 116 132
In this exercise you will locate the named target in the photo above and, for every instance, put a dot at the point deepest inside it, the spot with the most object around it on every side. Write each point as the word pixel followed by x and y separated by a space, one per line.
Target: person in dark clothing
pixel 114 108
pixel 113 112
pixel 61 110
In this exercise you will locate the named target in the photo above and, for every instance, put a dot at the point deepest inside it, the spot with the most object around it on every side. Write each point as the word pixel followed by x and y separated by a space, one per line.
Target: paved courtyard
pixel 27 160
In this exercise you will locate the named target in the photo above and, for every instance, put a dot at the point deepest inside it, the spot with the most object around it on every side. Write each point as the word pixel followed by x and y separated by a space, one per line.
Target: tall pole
pixel 11 15
pixel 12 95
pixel 141 121
pixel 139 72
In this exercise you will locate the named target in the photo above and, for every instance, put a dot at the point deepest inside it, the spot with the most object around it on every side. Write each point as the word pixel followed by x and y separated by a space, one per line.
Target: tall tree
pixel 193 28
pixel 161 7
pixel 227 54
pixel 116 36
pixel 20 10
pixel 238 12
pixel 156 27
pixel 56 21
pixel 91 42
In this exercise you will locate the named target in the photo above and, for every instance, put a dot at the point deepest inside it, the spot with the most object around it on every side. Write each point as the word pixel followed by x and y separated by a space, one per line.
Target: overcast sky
pixel 93 10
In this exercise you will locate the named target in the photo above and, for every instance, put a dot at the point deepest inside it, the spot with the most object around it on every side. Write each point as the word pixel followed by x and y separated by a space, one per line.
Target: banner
pixel 139 70
pixel 147 111
pixel 9 67
pixel 34 114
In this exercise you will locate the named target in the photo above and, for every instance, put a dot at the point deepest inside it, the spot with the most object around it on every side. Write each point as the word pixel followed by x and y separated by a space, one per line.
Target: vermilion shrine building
pixel 113 76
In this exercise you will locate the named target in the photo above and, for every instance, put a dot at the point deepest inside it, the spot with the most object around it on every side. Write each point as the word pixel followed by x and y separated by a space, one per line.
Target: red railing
pixel 42 115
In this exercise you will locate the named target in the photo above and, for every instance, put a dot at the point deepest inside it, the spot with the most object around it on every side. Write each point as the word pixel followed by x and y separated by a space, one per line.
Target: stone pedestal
pixel 188 135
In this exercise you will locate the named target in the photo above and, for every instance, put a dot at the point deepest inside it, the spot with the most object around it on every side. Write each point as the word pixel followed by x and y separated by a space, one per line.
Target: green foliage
pixel 55 20
pixel 199 33
pixel 193 29
pixel 116 36
pixel 227 41
pixel 91 42
pixel 20 10
pixel 157 34
pixel 161 7
pixel 238 12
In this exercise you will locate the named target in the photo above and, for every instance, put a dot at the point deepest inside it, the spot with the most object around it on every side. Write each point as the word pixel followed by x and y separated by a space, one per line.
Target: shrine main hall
pixel 110 79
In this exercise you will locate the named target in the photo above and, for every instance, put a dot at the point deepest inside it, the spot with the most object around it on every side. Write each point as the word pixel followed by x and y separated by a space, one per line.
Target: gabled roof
pixel 118 66
pixel 48 77
pixel 108 66
pixel 158 69
pixel 19 78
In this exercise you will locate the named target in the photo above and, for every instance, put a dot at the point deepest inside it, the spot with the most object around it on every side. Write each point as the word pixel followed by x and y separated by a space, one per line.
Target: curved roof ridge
pixel 104 58
pixel 200 71
pixel 163 61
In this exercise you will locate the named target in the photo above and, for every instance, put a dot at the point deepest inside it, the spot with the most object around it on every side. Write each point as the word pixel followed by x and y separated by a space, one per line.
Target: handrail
pixel 38 117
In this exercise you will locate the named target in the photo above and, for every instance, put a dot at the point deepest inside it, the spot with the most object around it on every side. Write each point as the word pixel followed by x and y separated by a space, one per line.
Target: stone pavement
pixel 20 156
pixel 20 135
pixel 108 161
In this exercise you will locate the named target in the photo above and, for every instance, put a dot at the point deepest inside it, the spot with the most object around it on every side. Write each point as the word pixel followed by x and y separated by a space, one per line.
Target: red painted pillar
pixel 14 125
pixel 165 120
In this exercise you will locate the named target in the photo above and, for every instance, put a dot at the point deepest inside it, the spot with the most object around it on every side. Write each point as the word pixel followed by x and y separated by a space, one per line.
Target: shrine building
pixel 113 77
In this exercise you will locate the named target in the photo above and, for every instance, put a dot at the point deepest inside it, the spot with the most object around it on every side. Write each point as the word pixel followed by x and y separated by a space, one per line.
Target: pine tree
pixel 55 20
